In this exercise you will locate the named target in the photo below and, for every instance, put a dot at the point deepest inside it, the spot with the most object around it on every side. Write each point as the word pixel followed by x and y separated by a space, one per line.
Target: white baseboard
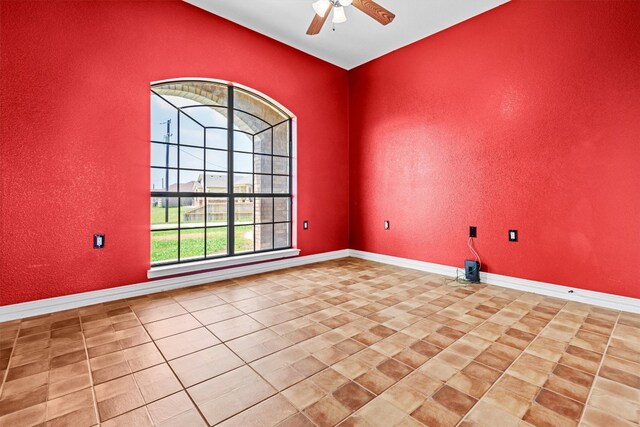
pixel 49 305
pixel 429 267
pixel 601 299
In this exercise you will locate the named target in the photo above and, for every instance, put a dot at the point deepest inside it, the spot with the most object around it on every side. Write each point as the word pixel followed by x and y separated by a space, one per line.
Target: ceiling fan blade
pixel 318 22
pixel 374 10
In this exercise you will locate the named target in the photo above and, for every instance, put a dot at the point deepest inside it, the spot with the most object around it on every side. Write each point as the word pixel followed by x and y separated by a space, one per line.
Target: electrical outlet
pixel 473 232
pixel 305 225
pixel 513 235
pixel 98 241
pixel 386 225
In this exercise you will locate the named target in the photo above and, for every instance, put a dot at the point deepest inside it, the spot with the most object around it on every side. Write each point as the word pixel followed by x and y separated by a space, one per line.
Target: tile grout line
pixel 359 351
pixel 244 313
pixel 294 344
pixel 222 373
pixel 13 349
pixel 377 395
pixel 247 364
pixel 449 290
pixel 319 300
pixel 134 379
pixel 206 327
pixel 91 384
pixel 504 372
pixel 595 376
pixel 439 295
pixel 350 355
pixel 345 290
pixel 172 371
pixel 306 296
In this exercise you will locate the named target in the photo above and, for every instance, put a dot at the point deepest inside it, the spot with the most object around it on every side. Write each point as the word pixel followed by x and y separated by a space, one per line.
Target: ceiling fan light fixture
pixel 323 10
pixel 338 15
pixel 321 6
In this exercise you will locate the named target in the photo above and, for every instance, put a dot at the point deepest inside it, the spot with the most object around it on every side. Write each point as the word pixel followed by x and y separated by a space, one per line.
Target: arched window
pixel 220 172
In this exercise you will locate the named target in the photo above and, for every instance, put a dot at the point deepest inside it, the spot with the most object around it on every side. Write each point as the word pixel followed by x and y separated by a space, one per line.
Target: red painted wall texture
pixel 74 154
pixel 525 117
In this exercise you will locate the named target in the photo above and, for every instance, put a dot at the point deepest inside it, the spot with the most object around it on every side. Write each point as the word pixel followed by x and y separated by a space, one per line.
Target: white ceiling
pixel 356 41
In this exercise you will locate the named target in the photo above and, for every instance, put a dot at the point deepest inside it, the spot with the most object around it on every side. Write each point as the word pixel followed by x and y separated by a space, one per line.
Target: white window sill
pixel 192 267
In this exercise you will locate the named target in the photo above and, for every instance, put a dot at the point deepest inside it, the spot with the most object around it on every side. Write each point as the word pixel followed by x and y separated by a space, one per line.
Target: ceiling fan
pixel 323 9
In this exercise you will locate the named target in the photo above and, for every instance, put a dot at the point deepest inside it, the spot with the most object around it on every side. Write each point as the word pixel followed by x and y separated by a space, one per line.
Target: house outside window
pixel 220 172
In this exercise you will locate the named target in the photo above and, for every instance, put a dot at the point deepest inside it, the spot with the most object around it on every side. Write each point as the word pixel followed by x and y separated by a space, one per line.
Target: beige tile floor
pixel 347 342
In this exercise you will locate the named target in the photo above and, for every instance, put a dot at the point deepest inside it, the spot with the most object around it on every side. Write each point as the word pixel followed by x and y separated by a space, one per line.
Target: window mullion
pixel 204 189
pixel 230 198
pixel 178 187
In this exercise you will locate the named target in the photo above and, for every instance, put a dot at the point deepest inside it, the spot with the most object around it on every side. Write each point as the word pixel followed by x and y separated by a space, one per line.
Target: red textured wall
pixel 525 117
pixel 74 154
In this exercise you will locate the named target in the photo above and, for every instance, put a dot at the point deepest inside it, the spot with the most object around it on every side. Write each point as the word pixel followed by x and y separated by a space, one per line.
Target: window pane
pixel 164 120
pixel 164 213
pixel 243 236
pixel 164 246
pixel 191 133
pixel 248 123
pixel 192 211
pixel 193 92
pixel 282 235
pixel 217 138
pixel 208 116
pixel 256 105
pixel 281 165
pixel 191 158
pixel 216 211
pixel 243 162
pixel 282 209
pixel 243 210
pixel 264 237
pixel 242 142
pixel 161 177
pixel 261 164
pixel 216 241
pixel 216 93
pixel 262 142
pixel 164 155
pixel 191 243
pixel 216 160
pixel 262 183
pixel 280 184
pixel 281 139
pixel 242 183
pixel 264 209
pixel 177 101
pixel 217 182
pixel 190 181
